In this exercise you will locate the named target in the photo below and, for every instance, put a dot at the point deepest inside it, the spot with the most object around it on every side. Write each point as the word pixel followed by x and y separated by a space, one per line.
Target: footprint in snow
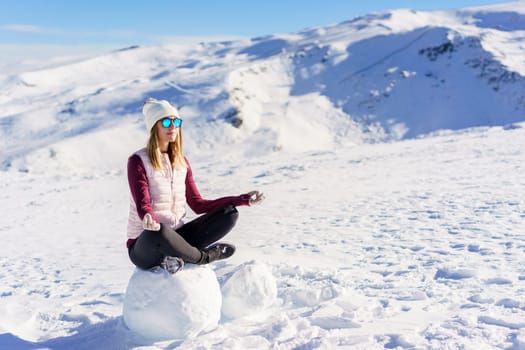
pixel 454 274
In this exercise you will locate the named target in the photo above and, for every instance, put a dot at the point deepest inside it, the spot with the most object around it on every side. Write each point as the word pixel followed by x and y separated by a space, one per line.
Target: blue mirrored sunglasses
pixel 166 122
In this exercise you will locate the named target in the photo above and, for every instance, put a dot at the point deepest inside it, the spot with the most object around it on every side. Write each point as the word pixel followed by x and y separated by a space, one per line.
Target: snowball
pixel 250 289
pixel 162 306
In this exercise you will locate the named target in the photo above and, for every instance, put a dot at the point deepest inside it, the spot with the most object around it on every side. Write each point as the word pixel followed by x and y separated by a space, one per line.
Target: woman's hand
pixel 149 224
pixel 256 197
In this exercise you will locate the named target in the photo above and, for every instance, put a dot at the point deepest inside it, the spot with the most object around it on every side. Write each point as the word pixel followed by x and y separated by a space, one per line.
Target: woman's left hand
pixel 256 197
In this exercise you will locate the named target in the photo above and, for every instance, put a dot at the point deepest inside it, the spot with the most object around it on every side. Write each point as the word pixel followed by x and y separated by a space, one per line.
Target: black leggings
pixel 186 242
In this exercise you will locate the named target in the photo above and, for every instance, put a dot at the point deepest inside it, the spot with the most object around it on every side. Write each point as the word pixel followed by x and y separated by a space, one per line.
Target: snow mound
pixel 162 306
pixel 249 290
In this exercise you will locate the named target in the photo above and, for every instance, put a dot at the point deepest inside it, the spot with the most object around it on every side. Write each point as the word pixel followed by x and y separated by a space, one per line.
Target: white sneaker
pixel 172 264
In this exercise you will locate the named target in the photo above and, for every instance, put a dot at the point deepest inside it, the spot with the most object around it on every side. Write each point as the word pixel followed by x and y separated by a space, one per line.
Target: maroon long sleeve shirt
pixel 138 185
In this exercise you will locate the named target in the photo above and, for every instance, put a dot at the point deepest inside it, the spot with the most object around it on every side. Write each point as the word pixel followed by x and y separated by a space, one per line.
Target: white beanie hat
pixel 155 110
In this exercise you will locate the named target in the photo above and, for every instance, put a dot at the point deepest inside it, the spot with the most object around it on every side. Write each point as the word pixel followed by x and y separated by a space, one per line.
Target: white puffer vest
pixel 167 189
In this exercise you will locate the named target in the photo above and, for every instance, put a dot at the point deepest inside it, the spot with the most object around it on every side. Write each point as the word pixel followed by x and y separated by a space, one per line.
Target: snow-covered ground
pixel 416 244
pixel 413 243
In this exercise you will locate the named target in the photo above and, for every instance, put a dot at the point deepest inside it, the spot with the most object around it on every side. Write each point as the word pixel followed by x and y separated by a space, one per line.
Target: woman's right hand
pixel 149 224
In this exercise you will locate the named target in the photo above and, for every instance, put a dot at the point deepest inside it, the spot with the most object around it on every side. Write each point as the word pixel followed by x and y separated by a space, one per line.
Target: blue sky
pixel 115 23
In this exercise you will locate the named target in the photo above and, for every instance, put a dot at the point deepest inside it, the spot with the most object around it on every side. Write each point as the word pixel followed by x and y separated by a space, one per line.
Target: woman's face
pixel 168 134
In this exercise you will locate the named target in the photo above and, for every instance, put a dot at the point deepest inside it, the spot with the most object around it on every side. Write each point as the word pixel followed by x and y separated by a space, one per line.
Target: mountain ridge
pixel 376 78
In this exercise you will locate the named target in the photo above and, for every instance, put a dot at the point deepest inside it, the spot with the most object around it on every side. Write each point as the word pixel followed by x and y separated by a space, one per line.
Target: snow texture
pixel 160 306
pixel 248 291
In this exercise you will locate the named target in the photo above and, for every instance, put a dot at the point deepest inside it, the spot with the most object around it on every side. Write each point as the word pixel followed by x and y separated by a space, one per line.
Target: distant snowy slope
pixel 381 77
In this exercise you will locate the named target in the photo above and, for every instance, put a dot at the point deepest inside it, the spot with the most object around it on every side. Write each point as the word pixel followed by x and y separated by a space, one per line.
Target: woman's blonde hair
pixel 175 152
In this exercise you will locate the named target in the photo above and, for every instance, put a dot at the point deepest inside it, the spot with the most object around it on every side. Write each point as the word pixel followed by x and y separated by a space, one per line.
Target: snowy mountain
pixel 390 149
pixel 381 77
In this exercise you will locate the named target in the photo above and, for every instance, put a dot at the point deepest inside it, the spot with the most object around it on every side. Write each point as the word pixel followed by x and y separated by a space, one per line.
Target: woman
pixel 161 183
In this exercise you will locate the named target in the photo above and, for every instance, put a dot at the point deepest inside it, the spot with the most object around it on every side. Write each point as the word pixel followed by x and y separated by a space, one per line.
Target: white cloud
pixel 33 29
pixel 24 28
